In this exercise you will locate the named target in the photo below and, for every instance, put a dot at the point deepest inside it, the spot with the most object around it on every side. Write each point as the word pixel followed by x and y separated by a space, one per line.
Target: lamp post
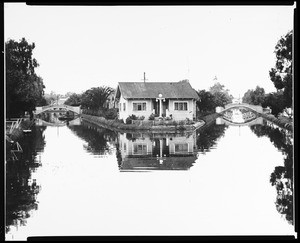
pixel 160 99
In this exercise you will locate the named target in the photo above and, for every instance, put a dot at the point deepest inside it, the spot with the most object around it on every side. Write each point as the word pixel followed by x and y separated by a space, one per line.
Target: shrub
pixel 111 114
pixel 151 117
pixel 128 120
pixel 189 121
pixel 133 117
pixel 141 118
pixel 120 120
pixel 181 123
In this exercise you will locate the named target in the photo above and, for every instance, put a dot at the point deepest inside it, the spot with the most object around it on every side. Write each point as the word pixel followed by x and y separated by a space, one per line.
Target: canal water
pixel 77 179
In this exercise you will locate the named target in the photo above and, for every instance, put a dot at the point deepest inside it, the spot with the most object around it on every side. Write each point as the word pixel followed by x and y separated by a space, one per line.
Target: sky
pixel 80 47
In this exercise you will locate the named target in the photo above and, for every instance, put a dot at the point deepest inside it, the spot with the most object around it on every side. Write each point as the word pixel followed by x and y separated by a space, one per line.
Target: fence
pixel 12 124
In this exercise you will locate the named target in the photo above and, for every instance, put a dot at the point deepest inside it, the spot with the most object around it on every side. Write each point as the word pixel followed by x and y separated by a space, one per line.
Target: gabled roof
pixel 144 90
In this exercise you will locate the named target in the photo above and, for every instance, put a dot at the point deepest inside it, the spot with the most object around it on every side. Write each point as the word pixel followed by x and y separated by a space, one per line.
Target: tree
pixel 281 74
pixel 206 101
pixel 74 100
pixel 51 98
pixel 95 98
pixel 254 97
pixel 276 101
pixel 24 88
pixel 221 95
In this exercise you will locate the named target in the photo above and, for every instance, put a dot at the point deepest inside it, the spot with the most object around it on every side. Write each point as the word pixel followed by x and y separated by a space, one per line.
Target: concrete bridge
pixel 256 108
pixel 41 109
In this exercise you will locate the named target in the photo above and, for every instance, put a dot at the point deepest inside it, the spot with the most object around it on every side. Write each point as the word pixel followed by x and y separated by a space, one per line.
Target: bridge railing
pixel 41 109
pixel 256 108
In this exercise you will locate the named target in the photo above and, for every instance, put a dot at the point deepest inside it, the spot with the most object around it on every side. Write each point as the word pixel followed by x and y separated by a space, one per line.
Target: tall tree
pixel 221 95
pixel 281 74
pixel 74 100
pixel 95 98
pixel 276 101
pixel 24 88
pixel 206 101
pixel 254 97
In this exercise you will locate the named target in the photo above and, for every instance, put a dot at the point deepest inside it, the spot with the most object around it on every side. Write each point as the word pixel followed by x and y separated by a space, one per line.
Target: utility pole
pixel 144 77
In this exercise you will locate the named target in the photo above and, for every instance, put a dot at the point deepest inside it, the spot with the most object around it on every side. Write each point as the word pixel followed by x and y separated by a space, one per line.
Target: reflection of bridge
pixel 40 122
pixel 40 109
pixel 256 108
pixel 258 120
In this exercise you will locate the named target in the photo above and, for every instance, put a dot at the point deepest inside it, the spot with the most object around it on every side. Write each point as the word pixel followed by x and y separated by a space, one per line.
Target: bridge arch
pixel 255 108
pixel 41 109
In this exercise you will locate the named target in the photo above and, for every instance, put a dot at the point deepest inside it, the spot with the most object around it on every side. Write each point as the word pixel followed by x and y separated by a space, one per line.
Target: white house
pixel 176 100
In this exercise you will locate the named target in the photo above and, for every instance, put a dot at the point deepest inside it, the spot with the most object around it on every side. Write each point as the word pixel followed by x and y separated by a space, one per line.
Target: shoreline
pixel 277 121
pixel 118 126
pixel 202 123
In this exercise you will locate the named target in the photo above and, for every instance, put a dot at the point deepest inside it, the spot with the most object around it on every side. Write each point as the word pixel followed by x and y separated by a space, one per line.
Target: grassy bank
pixel 280 121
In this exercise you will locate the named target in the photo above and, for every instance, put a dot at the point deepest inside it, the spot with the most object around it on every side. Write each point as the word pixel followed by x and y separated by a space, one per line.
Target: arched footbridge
pixel 41 109
pixel 235 114
pixel 255 108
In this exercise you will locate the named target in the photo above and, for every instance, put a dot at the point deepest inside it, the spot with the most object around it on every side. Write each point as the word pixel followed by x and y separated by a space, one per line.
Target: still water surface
pixel 80 179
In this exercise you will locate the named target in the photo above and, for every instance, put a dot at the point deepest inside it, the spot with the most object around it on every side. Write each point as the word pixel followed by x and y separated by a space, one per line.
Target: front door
pixel 165 106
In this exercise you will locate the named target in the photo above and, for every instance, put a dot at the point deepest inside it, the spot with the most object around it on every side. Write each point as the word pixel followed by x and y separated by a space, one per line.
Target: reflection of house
pixel 175 99
pixel 154 152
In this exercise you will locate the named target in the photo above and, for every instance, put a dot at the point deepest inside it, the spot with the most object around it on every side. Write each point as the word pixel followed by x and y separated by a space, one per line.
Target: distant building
pixel 176 100
pixel 61 100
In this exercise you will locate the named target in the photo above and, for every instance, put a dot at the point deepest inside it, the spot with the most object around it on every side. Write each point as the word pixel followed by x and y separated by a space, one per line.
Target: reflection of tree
pixel 21 190
pixel 282 176
pixel 207 137
pixel 119 156
pixel 96 137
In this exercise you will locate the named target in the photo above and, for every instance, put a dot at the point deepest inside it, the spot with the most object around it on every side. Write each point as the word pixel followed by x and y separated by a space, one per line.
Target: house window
pixel 139 106
pixel 120 107
pixel 184 147
pixel 139 149
pixel 124 106
pixel 180 106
